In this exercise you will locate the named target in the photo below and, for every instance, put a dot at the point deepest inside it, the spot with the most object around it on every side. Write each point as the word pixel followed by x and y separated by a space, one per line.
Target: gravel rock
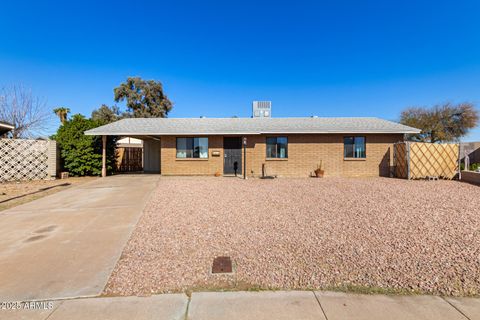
pixel 305 233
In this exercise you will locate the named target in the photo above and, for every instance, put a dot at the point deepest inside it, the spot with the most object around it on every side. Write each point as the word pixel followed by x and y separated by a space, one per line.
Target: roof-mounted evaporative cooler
pixel 262 109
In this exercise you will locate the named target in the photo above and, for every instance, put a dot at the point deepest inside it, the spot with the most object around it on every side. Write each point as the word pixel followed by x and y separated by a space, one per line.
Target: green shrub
pixel 81 154
pixel 473 166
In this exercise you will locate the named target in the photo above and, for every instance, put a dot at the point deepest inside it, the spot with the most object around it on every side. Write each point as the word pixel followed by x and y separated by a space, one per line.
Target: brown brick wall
pixel 304 153
pixel 170 165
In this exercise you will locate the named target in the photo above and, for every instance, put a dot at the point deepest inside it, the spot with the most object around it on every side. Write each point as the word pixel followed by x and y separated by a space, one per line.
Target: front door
pixel 232 152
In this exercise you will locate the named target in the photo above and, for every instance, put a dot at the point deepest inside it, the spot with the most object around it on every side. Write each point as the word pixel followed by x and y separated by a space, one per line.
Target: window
pixel 277 147
pixel 192 148
pixel 354 147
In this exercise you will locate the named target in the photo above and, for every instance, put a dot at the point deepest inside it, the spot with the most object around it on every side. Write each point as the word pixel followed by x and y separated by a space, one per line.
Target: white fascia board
pixel 7 126
pixel 167 134
pixel 243 133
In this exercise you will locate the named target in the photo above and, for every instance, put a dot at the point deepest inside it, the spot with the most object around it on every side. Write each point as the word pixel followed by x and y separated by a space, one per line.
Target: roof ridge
pixel 253 118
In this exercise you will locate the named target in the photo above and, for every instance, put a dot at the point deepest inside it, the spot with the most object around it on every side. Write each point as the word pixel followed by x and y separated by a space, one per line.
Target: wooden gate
pixel 420 160
pixel 129 159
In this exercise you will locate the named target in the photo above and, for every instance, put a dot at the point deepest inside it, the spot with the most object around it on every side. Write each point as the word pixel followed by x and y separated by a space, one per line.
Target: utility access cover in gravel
pixel 222 265
pixel 305 233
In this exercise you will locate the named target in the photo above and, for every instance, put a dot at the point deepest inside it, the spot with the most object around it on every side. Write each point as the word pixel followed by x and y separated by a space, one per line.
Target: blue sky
pixel 324 58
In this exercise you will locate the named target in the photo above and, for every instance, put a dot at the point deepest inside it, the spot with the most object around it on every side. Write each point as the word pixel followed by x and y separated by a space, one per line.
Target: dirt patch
pixel 15 193
pixel 388 234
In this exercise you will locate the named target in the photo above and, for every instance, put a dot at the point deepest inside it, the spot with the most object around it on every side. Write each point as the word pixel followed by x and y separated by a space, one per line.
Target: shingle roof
pixel 222 126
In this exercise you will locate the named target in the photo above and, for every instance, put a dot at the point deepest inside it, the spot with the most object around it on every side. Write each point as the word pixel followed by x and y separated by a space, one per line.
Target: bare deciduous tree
pixel 26 112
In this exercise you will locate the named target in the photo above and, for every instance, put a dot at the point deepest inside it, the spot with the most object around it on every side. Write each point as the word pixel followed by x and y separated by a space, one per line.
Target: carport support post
pixel 104 156
pixel 460 161
pixel 244 158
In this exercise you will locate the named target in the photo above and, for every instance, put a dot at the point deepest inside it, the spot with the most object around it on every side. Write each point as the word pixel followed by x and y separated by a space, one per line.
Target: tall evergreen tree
pixel 106 114
pixel 441 123
pixel 144 98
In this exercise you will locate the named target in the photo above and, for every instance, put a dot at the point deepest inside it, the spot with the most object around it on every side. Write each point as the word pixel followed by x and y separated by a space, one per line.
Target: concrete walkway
pixel 258 305
pixel 67 244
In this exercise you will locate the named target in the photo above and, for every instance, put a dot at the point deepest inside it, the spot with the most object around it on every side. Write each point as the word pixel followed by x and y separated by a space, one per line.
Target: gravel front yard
pixel 305 233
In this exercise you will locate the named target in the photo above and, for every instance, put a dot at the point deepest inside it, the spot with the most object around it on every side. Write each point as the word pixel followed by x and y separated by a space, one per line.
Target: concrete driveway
pixel 67 244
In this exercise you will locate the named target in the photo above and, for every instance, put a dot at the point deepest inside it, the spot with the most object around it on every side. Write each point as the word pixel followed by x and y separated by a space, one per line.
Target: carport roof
pixel 247 126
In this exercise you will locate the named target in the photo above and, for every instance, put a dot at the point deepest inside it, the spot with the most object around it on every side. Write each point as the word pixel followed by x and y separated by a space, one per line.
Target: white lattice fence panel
pixel 23 159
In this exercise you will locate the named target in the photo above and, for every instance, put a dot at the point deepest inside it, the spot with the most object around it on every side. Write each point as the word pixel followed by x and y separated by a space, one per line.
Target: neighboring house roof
pixel 244 126
pixel 5 127
pixel 129 142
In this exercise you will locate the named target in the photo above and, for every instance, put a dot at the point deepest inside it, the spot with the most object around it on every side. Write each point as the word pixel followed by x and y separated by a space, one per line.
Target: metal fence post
pixel 407 146
pixel 395 159
pixel 459 161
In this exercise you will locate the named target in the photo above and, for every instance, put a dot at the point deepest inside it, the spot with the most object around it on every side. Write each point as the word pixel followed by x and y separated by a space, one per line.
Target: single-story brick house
pixel 280 146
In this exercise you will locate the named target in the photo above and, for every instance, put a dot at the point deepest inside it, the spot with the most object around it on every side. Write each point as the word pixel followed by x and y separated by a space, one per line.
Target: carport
pixel 151 152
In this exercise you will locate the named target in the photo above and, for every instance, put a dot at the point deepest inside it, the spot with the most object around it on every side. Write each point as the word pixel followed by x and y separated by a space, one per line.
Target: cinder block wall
pixel 471 177
pixel 304 154
pixel 52 158
pixel 25 159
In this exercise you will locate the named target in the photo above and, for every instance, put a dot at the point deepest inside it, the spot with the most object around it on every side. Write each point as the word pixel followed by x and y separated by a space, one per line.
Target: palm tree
pixel 62 113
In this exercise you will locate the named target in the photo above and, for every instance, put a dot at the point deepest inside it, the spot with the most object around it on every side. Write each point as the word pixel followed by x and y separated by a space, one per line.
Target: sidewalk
pixel 258 305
